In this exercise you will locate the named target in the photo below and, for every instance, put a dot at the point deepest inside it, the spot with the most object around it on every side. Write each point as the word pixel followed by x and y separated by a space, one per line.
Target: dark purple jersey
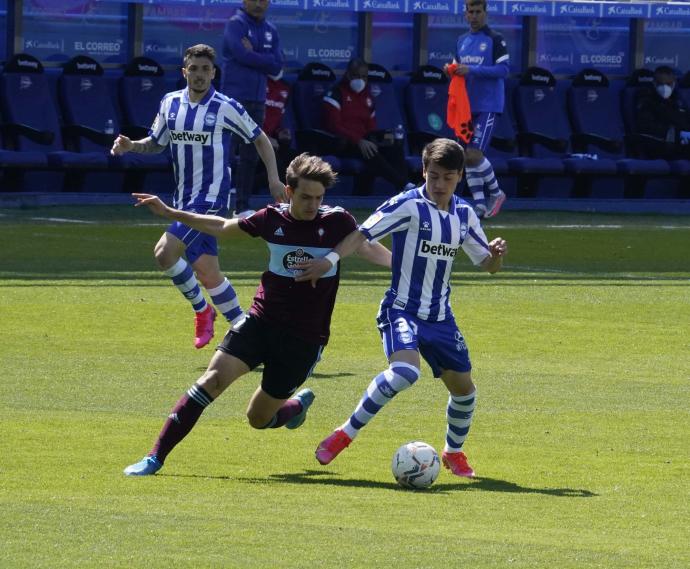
pixel 299 307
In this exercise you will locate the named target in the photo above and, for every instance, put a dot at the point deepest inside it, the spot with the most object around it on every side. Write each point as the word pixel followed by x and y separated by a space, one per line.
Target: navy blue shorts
pixel 483 130
pixel 441 344
pixel 196 243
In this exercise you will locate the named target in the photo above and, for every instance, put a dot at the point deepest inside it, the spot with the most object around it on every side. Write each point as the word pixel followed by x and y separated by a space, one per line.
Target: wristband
pixel 333 257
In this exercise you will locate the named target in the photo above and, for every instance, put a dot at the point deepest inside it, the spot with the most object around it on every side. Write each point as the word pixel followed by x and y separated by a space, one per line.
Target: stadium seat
pixel 543 137
pixel 684 88
pixel 597 120
pixel 141 89
pixel 657 183
pixel 32 136
pixel 312 83
pixel 503 145
pixel 426 101
pixel 87 108
pixel 389 116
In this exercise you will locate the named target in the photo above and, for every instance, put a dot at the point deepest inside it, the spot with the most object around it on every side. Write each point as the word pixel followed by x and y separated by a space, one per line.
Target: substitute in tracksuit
pixel 482 58
pixel 251 52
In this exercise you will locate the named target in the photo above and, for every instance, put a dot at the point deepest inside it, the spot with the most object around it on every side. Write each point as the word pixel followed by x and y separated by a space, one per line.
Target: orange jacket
pixel 458 113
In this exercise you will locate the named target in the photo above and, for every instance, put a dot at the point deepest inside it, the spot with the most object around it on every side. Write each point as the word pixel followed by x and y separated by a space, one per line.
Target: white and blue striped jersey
pixel 425 242
pixel 199 138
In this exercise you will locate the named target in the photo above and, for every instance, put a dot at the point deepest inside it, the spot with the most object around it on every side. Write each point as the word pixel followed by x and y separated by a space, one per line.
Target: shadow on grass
pixel 325 477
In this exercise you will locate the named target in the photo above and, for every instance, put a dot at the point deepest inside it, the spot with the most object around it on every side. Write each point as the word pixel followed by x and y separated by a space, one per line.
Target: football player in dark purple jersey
pixel 288 323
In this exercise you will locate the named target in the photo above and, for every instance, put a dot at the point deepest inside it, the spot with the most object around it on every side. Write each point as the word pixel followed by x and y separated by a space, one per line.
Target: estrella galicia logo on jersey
pixel 439 251
pixel 297 256
pixel 190 137
pixel 210 119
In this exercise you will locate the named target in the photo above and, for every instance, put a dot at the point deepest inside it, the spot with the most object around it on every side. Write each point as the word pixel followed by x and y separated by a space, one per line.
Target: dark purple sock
pixel 289 409
pixel 181 420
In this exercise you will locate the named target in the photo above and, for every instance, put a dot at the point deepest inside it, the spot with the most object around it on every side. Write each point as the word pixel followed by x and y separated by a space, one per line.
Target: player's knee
pixel 213 382
pixel 404 375
pixel 258 420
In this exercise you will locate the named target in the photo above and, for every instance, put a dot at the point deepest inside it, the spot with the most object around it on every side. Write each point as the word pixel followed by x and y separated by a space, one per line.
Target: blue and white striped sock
pixel 226 301
pixel 386 385
pixel 475 183
pixel 184 279
pixel 486 171
pixel 459 415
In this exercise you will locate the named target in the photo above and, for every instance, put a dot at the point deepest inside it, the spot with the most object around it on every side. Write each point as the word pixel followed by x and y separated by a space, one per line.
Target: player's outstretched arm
pixel 268 156
pixel 209 224
pixel 376 253
pixel 123 144
pixel 313 270
pixel 498 248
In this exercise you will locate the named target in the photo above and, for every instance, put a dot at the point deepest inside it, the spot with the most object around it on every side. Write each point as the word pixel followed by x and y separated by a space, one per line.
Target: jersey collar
pixel 425 197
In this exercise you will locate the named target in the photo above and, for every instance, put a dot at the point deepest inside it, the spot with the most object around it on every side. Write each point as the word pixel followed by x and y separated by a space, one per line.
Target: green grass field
pixel 581 439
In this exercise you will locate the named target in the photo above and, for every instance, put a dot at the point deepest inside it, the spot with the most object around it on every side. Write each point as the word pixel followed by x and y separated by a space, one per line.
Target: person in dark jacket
pixel 350 115
pixel 664 118
pixel 251 52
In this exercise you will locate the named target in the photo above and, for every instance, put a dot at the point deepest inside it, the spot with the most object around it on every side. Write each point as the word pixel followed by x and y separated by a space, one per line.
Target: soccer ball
pixel 415 465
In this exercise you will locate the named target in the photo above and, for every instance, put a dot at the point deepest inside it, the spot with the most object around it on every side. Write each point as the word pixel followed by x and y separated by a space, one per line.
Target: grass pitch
pixel 580 440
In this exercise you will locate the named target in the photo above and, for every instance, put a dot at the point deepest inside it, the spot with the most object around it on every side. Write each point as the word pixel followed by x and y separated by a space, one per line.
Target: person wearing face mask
pixel 664 119
pixel 349 114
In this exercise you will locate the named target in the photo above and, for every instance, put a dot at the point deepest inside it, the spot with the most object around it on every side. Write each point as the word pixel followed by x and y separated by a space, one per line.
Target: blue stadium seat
pixel 389 113
pixel 87 106
pixel 597 120
pixel 684 88
pixel 657 184
pixel 141 89
pixel 543 137
pixel 426 102
pixel 504 144
pixel 32 136
pixel 312 83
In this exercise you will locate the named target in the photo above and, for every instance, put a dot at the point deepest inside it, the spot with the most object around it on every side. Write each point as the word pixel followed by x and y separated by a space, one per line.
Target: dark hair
pixel 310 168
pixel 664 70
pixel 481 3
pixel 356 63
pixel 445 152
pixel 199 50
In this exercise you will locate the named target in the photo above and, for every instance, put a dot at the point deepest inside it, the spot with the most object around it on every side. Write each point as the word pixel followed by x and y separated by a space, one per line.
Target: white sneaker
pixel 245 213
pixel 495 202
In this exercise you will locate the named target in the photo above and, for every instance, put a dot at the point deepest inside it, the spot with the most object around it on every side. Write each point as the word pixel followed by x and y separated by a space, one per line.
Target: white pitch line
pixel 586 226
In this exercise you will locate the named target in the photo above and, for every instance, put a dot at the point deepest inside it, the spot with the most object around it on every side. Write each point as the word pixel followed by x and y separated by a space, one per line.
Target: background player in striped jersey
pixel 197 124
pixel 482 58
pixel 288 324
pixel 428 225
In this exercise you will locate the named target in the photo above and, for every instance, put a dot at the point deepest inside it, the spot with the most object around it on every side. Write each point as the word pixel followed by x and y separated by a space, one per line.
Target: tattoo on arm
pixel 147 146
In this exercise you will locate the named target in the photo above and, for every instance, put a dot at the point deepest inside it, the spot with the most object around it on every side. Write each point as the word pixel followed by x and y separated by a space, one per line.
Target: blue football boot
pixel 145 467
pixel 306 398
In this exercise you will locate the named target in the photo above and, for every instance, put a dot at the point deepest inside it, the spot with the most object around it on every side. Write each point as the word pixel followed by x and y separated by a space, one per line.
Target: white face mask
pixel 357 85
pixel 664 91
